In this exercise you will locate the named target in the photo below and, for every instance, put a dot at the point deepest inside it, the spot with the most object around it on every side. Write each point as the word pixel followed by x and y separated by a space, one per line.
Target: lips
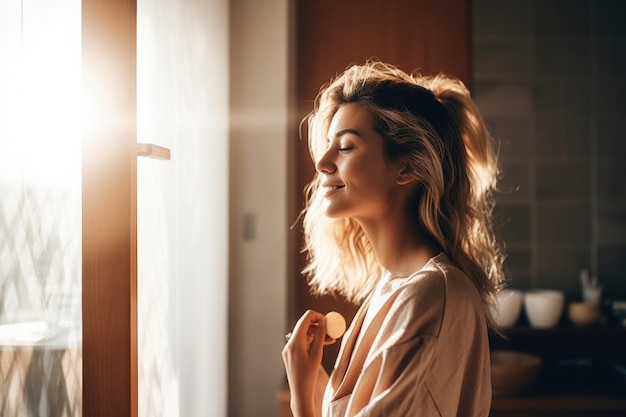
pixel 332 187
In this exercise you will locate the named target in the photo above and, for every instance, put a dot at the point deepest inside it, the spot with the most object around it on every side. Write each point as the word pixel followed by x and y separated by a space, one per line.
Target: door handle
pixel 150 150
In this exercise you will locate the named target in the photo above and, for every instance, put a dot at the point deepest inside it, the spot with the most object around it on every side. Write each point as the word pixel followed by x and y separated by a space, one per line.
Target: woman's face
pixel 357 180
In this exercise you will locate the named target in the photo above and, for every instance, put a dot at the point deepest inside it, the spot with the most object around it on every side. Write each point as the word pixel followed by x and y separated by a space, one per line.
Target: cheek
pixel 365 168
pixel 374 182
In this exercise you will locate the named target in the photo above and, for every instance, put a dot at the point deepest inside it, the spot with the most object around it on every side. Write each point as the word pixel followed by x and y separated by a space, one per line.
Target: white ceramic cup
pixel 507 308
pixel 544 307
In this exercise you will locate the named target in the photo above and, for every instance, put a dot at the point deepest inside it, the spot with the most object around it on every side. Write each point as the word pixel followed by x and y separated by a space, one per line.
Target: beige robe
pixel 425 353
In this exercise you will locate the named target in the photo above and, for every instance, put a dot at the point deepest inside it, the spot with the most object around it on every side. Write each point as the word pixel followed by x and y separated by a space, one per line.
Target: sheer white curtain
pixel 182 81
pixel 40 208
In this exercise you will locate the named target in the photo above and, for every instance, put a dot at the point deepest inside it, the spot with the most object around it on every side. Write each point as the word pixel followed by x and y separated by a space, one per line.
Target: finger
pixel 311 331
pixel 318 340
pixel 329 340
pixel 307 320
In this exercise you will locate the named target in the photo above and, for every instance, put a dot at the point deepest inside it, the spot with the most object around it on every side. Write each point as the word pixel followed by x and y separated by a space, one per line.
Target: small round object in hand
pixel 335 325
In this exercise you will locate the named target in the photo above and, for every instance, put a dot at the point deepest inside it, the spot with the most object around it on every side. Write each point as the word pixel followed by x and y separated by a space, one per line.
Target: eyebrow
pixel 345 132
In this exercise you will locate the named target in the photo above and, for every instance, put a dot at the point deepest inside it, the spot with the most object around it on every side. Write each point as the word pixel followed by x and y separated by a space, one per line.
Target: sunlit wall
pixel 182 81
pixel 258 213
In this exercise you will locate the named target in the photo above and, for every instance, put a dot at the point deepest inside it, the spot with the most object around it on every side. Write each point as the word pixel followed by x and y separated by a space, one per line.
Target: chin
pixel 331 212
pixel 335 213
pixel 339 209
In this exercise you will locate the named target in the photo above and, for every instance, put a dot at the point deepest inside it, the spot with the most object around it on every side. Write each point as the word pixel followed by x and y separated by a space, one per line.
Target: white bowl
pixel 507 308
pixel 544 307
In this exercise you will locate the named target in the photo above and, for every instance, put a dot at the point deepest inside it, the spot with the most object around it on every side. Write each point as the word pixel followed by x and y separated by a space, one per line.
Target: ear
pixel 405 177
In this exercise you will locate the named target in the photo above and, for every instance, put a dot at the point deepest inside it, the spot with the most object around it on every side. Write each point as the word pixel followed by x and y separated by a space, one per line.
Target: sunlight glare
pixel 40 46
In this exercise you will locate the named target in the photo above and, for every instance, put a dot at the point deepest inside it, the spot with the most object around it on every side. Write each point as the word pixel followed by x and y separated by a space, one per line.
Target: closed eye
pixel 345 148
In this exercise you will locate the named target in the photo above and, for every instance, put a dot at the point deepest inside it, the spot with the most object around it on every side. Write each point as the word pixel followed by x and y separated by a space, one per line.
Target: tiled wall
pixel 550 78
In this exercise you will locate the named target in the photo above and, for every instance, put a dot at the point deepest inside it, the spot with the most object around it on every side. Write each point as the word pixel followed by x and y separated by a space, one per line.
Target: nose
pixel 326 165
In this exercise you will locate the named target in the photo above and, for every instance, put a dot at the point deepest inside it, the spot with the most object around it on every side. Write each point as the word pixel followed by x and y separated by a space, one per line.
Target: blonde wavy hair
pixel 434 122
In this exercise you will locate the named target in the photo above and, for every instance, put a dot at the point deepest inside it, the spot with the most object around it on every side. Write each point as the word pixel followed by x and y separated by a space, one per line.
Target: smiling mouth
pixel 331 189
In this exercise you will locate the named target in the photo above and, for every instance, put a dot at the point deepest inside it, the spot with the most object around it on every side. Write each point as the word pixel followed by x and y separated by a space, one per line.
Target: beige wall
pixel 258 198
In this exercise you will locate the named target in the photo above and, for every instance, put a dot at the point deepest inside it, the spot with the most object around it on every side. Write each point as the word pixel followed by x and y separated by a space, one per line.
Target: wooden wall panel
pixel 109 209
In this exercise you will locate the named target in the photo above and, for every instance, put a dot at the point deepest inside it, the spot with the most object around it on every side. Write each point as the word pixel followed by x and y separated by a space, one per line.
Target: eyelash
pixel 345 148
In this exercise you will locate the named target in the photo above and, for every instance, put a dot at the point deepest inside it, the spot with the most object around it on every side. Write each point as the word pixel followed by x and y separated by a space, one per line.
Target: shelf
pixel 565 342
pixel 587 406
pixel 583 372
pixel 560 403
pixel 568 330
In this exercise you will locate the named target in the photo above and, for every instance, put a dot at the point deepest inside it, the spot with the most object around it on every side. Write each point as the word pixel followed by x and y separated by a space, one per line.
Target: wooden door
pixel 425 35
pixel 109 209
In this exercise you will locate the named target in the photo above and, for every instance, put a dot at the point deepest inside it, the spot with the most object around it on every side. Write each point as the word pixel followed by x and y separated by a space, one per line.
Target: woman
pixel 398 219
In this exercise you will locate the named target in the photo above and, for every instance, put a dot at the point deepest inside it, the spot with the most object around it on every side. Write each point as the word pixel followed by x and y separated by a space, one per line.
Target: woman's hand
pixel 302 356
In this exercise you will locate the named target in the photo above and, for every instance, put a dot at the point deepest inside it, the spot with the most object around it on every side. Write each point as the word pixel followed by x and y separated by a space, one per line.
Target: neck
pixel 400 247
